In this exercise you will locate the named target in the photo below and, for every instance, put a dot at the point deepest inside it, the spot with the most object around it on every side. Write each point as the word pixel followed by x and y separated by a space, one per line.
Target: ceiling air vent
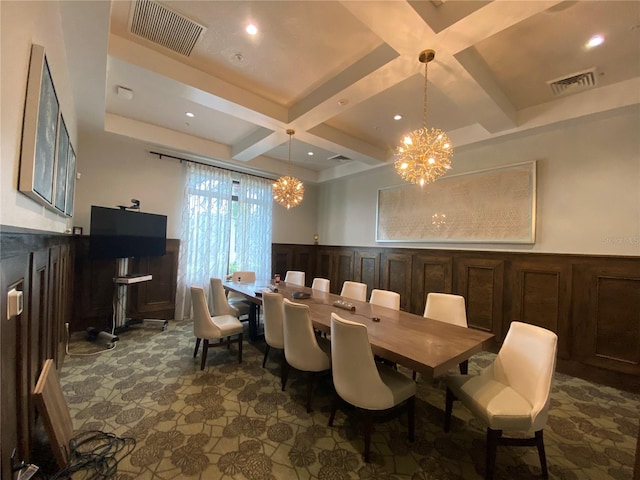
pixel 165 27
pixel 573 83
pixel 339 158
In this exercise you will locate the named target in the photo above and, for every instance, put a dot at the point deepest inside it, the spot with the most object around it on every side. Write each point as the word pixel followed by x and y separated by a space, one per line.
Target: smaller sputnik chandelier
pixel 288 191
pixel 425 154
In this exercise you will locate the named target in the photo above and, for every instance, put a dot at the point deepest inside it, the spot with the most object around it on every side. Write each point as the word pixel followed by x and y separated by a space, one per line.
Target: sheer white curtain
pixel 253 229
pixel 206 225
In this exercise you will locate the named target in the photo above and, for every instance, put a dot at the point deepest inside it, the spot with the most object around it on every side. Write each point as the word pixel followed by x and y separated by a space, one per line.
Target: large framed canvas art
pixel 489 206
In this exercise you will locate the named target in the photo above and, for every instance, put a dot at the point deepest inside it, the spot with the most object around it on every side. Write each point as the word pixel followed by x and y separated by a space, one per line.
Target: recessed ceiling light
pixel 189 114
pixel 397 117
pixel 595 41
pixel 343 101
pixel 310 154
pixel 252 29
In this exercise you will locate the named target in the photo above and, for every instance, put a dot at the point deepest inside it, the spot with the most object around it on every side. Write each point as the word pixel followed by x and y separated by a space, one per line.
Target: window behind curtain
pixel 210 215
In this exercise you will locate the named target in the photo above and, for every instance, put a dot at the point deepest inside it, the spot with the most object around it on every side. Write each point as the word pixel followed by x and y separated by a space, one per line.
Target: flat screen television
pixel 120 233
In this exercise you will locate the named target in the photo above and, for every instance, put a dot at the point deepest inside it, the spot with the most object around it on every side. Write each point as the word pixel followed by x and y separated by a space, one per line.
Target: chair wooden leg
pixel 311 377
pixel 266 354
pixel 415 374
pixel 334 409
pixel 493 437
pixel 411 410
pixel 285 372
pixel 541 454
pixel 205 349
pixel 228 343
pixel 464 367
pixel 239 348
pixel 195 352
pixel 367 434
pixel 448 409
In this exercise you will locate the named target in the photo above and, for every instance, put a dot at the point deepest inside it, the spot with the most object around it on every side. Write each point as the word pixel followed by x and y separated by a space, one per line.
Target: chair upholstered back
pixel 203 327
pixel 300 344
pixel 385 298
pixel 219 303
pixel 321 284
pixel 273 312
pixel 243 277
pixel 295 278
pixel 446 307
pixel 526 362
pixel 354 290
pixel 355 375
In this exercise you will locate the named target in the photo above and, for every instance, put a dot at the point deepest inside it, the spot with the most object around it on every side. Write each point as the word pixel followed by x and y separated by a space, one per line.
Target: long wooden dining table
pixel 424 345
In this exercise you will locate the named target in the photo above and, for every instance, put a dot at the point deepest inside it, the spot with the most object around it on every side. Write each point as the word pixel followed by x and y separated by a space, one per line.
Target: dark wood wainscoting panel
pixel 431 273
pixel 14 356
pixel 606 315
pixel 618 305
pixel 325 267
pixel 366 269
pixel 540 294
pixel 157 298
pixel 344 270
pixel 280 261
pixel 396 276
pixel 94 289
pixel 481 283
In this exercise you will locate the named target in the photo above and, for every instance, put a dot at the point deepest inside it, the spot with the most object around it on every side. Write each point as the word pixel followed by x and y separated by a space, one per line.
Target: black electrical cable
pixel 95 453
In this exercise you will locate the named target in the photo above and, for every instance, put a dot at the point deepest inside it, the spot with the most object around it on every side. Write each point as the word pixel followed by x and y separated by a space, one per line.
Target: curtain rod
pixel 160 155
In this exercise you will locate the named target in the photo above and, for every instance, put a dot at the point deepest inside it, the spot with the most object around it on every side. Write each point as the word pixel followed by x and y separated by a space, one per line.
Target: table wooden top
pixel 422 344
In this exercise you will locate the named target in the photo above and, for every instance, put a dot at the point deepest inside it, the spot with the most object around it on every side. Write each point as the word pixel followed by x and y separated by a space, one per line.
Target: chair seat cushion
pixel 401 387
pixel 241 305
pixel 228 325
pixel 499 405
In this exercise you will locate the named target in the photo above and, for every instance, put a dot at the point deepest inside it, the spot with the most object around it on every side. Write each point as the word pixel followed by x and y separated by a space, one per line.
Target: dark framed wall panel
pixel 481 282
pixel 345 270
pixel 325 268
pixel 38 265
pixel 157 298
pixel 606 320
pixel 430 273
pixel 396 276
pixel 366 269
pixel 541 295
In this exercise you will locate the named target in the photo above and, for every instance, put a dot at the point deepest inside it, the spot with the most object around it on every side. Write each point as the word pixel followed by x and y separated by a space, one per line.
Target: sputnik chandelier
pixel 288 191
pixel 425 153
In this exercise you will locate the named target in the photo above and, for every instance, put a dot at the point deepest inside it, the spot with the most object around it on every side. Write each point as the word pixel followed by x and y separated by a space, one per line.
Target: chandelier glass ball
pixel 424 156
pixel 288 191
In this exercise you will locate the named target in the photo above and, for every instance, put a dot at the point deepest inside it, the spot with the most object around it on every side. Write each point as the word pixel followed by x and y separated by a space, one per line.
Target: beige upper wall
pixel 25 23
pixel 588 189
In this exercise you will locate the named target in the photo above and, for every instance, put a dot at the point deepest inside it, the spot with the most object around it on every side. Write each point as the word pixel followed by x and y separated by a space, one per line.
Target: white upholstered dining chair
pixel 272 314
pixel 236 299
pixel 295 277
pixel 321 284
pixel 302 349
pixel 448 308
pixel 217 327
pixel 362 382
pixel 385 298
pixel 354 290
pixel 219 303
pixel 513 393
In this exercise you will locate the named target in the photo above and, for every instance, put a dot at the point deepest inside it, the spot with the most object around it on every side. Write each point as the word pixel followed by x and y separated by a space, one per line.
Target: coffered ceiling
pixel 338 72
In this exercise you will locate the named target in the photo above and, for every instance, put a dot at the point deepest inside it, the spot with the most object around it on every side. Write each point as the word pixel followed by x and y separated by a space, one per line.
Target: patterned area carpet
pixel 232 420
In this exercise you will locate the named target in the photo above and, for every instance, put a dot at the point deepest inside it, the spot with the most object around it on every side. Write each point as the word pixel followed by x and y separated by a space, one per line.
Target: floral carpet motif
pixel 232 421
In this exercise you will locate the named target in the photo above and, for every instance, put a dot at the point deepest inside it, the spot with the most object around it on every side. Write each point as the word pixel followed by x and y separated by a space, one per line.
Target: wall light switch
pixel 14 303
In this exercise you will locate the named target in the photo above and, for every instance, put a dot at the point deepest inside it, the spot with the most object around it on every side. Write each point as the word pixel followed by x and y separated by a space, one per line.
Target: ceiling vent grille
pixel 165 27
pixel 573 83
pixel 339 158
